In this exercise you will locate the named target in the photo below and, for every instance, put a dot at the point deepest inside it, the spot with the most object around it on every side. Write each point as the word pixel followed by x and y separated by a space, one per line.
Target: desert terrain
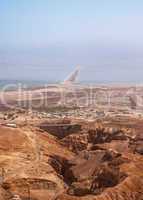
pixel 74 143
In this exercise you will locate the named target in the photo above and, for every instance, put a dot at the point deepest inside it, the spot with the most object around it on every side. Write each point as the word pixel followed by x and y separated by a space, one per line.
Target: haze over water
pixel 43 40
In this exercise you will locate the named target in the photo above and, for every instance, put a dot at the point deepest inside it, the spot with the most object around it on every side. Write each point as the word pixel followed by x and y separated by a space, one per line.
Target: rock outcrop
pixel 91 164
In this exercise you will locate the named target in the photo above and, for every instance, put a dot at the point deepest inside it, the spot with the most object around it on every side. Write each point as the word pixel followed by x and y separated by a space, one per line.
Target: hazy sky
pixel 45 39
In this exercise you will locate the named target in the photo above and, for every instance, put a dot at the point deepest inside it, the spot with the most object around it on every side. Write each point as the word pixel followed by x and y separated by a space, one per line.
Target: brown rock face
pixel 60 130
pixel 85 140
pixel 24 168
pixel 92 172
pixel 103 163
